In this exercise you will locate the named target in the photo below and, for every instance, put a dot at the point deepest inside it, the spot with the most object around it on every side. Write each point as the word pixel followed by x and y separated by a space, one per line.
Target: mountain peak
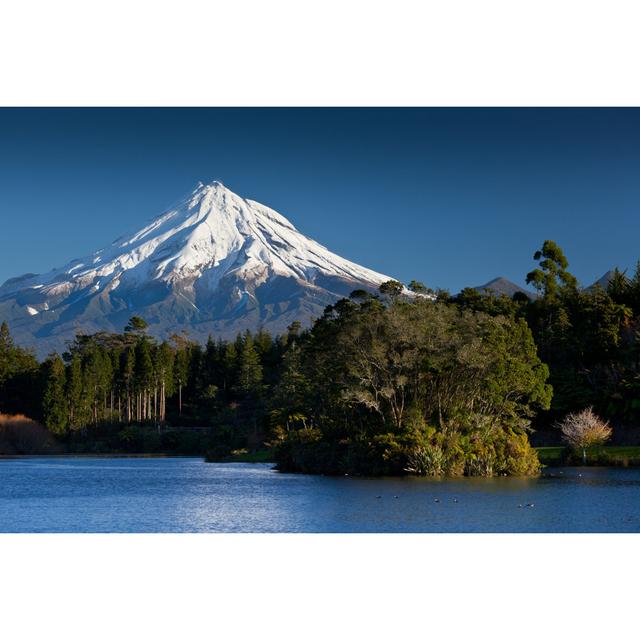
pixel 603 281
pixel 503 286
pixel 210 186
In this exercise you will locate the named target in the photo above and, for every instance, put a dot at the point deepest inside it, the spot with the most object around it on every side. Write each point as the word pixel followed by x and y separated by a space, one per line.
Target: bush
pixel 478 453
pixel 427 460
pixel 584 430
pixel 20 435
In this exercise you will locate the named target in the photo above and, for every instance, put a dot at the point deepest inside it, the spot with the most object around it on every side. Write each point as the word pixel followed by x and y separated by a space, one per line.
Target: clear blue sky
pixel 452 197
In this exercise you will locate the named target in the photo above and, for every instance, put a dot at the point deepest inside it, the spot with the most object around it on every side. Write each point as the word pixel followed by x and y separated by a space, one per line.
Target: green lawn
pixel 549 455
pixel 553 455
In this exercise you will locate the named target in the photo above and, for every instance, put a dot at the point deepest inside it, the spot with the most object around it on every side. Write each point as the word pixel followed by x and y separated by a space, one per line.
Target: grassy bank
pixel 613 456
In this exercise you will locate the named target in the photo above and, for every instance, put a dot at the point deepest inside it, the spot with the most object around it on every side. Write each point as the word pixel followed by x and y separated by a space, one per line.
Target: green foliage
pixel 249 382
pixel 494 305
pixel 420 288
pixel 551 279
pixel 427 460
pixel 20 379
pixel 589 338
pixel 55 400
pixel 136 325
pixel 391 289
pixel 376 376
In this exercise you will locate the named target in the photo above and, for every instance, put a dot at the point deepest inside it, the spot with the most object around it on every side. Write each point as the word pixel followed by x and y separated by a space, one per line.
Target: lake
pixel 73 494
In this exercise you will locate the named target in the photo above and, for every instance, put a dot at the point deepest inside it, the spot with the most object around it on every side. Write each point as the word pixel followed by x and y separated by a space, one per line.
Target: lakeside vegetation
pixel 388 383
pixel 598 456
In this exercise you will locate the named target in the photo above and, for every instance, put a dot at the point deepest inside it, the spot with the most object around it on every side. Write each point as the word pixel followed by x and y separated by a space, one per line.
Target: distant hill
pixel 502 286
pixel 603 281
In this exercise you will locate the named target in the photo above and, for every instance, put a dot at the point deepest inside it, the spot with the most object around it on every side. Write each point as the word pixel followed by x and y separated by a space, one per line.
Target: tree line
pixel 589 338
pixel 384 382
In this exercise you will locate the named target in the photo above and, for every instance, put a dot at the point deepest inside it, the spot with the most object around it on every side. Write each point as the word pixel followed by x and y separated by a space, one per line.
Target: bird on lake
pixel 378 497
pixel 455 499
pixel 436 499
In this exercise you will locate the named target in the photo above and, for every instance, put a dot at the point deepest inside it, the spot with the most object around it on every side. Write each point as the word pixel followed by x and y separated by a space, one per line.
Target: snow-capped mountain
pixel 215 264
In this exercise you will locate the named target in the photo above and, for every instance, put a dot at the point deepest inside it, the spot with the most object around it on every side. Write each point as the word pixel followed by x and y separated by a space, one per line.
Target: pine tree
pixel 54 400
pixel 181 372
pixel 249 368
pixel 229 366
pixel 288 399
pixel 634 291
pixel 164 368
pixel 6 352
pixel 263 343
pixel 143 379
pixel 74 392
pixel 137 326
pixel 127 377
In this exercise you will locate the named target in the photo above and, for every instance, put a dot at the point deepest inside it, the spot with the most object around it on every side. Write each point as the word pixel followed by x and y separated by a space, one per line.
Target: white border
pixel 317 586
pixel 335 52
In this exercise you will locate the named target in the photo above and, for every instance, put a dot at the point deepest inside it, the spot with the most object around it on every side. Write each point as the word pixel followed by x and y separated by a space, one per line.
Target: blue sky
pixel 451 197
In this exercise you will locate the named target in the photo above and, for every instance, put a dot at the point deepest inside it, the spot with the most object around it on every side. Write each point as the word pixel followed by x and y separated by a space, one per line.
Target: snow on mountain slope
pixel 215 263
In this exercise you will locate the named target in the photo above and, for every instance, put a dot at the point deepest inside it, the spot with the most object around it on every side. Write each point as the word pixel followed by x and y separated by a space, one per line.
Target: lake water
pixel 67 494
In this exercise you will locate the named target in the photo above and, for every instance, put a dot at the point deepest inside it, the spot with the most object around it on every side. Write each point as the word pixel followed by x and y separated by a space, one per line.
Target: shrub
pixel 21 435
pixel 584 430
pixel 427 460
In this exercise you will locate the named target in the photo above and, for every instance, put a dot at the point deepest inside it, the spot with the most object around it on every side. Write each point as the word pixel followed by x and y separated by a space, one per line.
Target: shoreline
pixel 260 458
pixel 9 456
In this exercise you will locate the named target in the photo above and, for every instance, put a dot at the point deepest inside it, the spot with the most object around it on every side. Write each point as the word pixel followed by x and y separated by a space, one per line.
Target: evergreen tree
pixel 290 393
pixel 74 389
pixel 249 368
pixel 127 379
pixel 229 366
pixel 137 326
pixel 20 380
pixel 54 400
pixel 6 352
pixel 164 367
pixel 143 379
pixel 181 371
pixel 263 343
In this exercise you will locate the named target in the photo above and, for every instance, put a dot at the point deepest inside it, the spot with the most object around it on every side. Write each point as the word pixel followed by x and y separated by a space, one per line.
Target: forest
pixel 403 380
